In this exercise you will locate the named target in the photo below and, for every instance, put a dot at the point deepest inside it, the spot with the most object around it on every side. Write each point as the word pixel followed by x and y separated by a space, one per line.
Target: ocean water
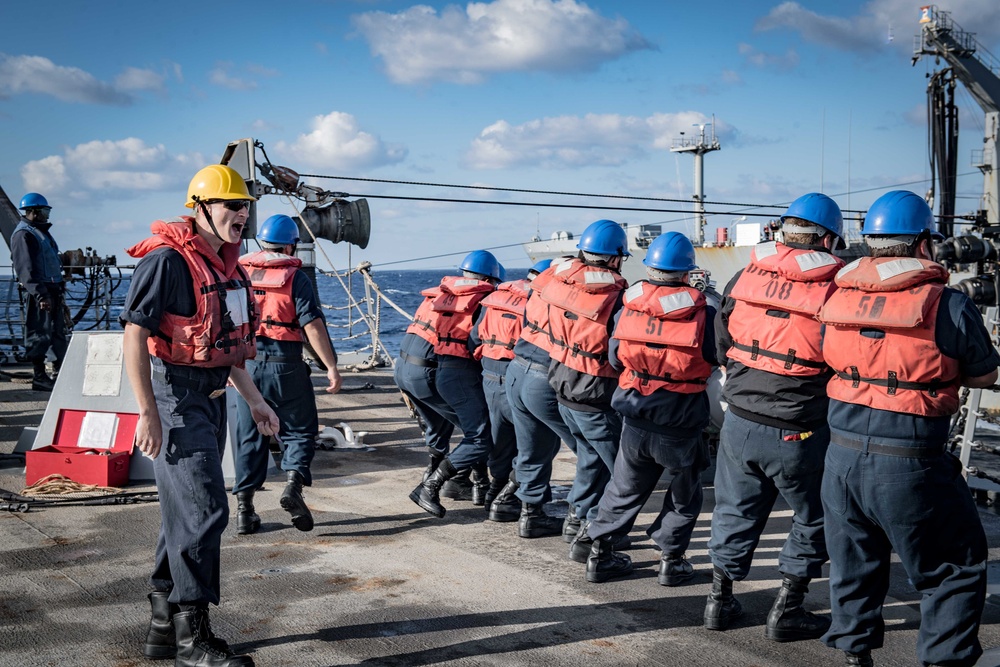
pixel 401 287
pixel 348 328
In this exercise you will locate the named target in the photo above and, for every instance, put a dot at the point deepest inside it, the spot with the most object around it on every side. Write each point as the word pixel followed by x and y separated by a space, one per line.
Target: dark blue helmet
pixel 279 229
pixel 482 262
pixel 604 237
pixel 670 252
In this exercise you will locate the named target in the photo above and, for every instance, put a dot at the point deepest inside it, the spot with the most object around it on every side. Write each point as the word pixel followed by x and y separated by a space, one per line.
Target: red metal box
pixel 87 448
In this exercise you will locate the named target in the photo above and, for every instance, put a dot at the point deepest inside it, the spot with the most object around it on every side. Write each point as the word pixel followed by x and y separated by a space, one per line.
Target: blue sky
pixel 109 108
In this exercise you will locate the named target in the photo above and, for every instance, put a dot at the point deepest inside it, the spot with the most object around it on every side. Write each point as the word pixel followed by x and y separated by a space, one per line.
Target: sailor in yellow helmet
pixel 189 322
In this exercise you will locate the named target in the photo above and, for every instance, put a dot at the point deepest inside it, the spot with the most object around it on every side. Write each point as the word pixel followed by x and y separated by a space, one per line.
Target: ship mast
pixel 979 70
pixel 698 148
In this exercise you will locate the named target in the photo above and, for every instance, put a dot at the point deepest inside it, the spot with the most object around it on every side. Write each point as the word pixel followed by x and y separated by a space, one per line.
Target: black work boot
pixel 427 494
pixel 579 548
pixel 534 522
pixel 432 464
pixel 292 502
pixel 197 646
pixel 863 659
pixel 247 521
pixel 40 380
pixel 721 607
pixel 496 486
pixel 674 570
pixel 506 506
pixel 459 487
pixel 571 526
pixel 787 620
pixel 480 484
pixel 161 642
pixel 605 563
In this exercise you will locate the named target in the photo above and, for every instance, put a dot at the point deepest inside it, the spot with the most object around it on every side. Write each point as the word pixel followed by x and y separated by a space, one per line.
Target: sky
pixel 109 108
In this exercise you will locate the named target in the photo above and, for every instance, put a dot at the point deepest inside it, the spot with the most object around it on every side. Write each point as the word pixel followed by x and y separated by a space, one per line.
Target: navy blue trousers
pixel 501 460
pixel 754 465
pixel 597 435
pixel 538 426
pixel 287 388
pixel 417 382
pixel 194 506
pixel 460 384
pixel 643 459
pixel 922 509
pixel 44 329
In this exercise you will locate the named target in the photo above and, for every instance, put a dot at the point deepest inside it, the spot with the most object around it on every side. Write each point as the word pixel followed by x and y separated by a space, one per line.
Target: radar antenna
pixel 698 148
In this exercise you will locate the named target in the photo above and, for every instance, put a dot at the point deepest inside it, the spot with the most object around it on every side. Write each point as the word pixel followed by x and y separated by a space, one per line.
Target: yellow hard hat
pixel 216 181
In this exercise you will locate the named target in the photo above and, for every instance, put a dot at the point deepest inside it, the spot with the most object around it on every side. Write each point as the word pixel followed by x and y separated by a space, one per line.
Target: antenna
pixel 698 148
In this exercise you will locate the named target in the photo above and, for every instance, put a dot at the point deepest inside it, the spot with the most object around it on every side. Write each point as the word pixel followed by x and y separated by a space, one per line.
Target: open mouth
pixel 238 228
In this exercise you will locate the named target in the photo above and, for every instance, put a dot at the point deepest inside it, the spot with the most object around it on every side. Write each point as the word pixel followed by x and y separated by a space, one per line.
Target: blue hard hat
pixel 541 266
pixel 670 252
pixel 820 210
pixel 604 237
pixel 503 273
pixel 482 262
pixel 899 212
pixel 33 200
pixel 279 229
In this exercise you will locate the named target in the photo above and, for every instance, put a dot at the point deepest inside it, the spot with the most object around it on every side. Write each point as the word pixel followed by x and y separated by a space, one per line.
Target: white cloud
pixel 575 141
pixel 112 168
pixel 135 79
pixel 261 70
pixel 46 174
pixel 788 61
pixel 337 142
pixel 35 74
pixel 731 77
pixel 869 30
pixel 465 45
pixel 261 125
pixel 219 75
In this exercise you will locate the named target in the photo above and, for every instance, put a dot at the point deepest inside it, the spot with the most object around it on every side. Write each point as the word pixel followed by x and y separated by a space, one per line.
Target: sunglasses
pixel 232 204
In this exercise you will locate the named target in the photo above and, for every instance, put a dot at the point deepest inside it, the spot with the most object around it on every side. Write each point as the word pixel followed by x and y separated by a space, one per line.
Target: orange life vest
pixel 536 311
pixel 581 299
pixel 272 275
pixel 500 326
pixel 660 334
pixel 423 319
pixel 445 317
pixel 778 296
pixel 214 335
pixel 904 371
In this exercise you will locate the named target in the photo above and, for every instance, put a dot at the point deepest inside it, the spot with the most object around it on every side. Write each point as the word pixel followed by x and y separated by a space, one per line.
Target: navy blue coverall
pixel 194 507
pixel 35 257
pixel 756 462
pixel 283 378
pixel 918 506
pixel 661 433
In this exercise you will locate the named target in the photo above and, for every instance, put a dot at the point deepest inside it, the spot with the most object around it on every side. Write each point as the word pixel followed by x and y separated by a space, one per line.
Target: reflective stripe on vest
pixel 660 334
pixel 500 327
pixel 221 332
pixel 272 275
pixel 778 296
pixel 581 298
pixel 898 366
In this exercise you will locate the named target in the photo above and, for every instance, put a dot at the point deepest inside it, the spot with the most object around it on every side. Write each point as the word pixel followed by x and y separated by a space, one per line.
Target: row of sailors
pixel 574 354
